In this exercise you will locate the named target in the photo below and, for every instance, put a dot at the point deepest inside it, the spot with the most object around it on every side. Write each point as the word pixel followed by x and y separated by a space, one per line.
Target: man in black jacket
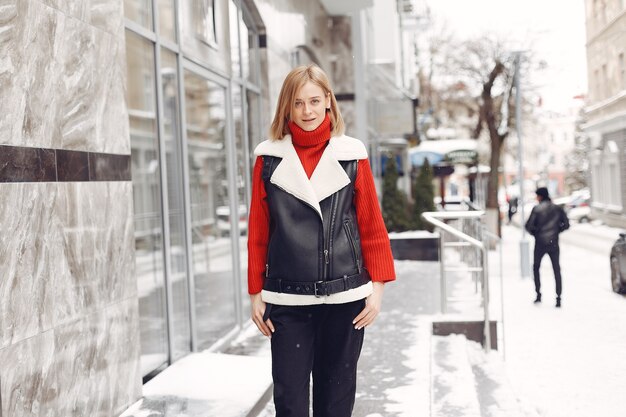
pixel 545 223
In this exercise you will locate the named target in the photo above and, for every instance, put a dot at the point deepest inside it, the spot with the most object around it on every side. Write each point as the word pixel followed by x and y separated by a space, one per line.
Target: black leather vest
pixel 301 246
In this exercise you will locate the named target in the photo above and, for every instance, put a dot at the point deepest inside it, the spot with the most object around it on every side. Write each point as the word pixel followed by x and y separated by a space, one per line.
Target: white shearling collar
pixel 328 176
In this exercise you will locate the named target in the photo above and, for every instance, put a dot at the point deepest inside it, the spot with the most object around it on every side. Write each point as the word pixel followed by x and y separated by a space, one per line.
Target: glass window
pixel 147 202
pixel 254 124
pixel 249 51
pixel 204 21
pixel 139 11
pixel 175 200
pixel 205 103
pixel 245 48
pixel 242 194
pixel 167 19
pixel 233 15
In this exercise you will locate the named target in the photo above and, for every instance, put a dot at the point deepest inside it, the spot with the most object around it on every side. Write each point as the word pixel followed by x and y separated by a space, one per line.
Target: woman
pixel 318 251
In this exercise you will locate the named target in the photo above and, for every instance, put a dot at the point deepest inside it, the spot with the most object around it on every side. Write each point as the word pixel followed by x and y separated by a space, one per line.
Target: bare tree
pixel 485 64
pixel 485 67
pixel 577 161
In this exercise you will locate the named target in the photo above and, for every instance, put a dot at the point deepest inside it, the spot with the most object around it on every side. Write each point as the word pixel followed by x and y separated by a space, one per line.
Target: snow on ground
pixel 558 362
pixel 204 383
pixel 567 362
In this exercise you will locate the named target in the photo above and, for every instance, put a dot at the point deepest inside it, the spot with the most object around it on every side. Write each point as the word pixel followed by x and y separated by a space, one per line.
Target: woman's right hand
pixel 258 310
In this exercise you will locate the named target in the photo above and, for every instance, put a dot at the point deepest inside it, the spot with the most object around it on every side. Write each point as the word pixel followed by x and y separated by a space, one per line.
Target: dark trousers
pixel 553 252
pixel 321 340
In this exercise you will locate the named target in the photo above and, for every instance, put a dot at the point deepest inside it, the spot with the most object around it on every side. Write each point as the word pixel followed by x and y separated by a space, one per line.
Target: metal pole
pixel 524 253
pixel 502 301
pixel 442 282
pixel 487 330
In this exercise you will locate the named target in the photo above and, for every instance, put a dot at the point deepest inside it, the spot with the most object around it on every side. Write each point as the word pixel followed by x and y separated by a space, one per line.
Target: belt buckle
pixel 315 288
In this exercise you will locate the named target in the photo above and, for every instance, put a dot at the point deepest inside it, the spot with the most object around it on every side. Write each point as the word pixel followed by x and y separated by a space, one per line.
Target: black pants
pixel 318 339
pixel 552 251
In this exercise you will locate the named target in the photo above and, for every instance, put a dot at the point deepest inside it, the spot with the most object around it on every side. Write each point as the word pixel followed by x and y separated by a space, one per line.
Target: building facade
pixel 606 108
pixel 126 137
pixel 69 319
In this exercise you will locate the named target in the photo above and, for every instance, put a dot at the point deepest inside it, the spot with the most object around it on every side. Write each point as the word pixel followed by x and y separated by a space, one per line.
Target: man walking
pixel 545 223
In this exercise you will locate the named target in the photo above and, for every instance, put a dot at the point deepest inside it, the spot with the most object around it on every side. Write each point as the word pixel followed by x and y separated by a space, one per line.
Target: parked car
pixel 223 220
pixel 581 214
pixel 576 205
pixel 618 264
pixel 578 198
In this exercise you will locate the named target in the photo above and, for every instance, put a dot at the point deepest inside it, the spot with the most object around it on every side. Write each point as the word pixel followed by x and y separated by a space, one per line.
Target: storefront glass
pixel 181 328
pixel 205 103
pixel 139 11
pixel 235 60
pixel 181 148
pixel 167 19
pixel 149 267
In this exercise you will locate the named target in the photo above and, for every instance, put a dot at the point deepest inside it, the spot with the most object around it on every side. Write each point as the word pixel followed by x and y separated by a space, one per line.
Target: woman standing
pixel 318 250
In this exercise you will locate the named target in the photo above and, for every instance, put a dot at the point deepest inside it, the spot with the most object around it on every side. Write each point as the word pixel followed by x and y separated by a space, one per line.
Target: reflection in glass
pixel 254 123
pixel 233 13
pixel 139 11
pixel 178 255
pixel 245 48
pixel 205 112
pixel 204 20
pixel 249 51
pixel 146 197
pixel 167 19
pixel 242 195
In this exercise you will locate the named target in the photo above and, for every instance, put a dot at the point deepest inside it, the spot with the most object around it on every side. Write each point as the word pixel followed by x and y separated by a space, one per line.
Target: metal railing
pixel 498 240
pixel 438 220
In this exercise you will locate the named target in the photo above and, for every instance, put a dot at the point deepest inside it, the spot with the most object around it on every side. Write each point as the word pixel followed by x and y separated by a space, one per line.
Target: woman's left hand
pixel 372 307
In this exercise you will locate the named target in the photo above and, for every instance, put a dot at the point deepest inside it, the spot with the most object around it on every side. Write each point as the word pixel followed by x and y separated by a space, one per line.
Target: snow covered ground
pixel 563 362
pixel 566 362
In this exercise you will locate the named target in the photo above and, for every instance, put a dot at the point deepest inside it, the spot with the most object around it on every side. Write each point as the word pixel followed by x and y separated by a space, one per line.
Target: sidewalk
pixel 403 371
pixel 566 362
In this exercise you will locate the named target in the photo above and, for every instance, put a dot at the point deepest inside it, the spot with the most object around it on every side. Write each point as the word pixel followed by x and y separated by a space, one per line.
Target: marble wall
pixel 69 325
pixel 61 75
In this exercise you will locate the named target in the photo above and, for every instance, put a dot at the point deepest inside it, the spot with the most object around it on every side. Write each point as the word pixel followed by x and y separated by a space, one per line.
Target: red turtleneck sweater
pixel 375 244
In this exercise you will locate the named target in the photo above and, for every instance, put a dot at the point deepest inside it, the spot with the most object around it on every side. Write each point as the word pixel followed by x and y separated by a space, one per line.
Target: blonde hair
pixel 293 82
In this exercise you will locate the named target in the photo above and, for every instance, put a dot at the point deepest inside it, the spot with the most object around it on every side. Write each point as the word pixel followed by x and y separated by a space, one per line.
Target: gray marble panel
pixel 97 237
pixel 107 15
pixel 65 249
pixel 76 9
pixel 109 95
pixel 62 85
pixel 28 384
pixel 31 260
pixel 88 367
pixel 26 72
pixel 98 362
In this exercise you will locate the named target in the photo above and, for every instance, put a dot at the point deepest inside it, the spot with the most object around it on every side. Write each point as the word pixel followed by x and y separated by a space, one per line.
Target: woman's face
pixel 309 107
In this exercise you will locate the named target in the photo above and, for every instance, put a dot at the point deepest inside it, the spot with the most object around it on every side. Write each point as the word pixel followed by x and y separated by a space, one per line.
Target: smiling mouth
pixel 307 120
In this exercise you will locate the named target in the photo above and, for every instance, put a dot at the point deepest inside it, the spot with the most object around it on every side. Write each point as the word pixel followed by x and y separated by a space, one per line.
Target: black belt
pixel 317 288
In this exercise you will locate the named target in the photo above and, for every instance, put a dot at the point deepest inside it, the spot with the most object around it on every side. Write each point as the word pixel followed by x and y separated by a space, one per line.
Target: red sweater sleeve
pixel 258 230
pixel 375 244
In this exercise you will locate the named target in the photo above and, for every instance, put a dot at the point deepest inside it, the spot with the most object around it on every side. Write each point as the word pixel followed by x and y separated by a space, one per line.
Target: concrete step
pixel 495 394
pixel 469 382
pixel 207 385
pixel 453 390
